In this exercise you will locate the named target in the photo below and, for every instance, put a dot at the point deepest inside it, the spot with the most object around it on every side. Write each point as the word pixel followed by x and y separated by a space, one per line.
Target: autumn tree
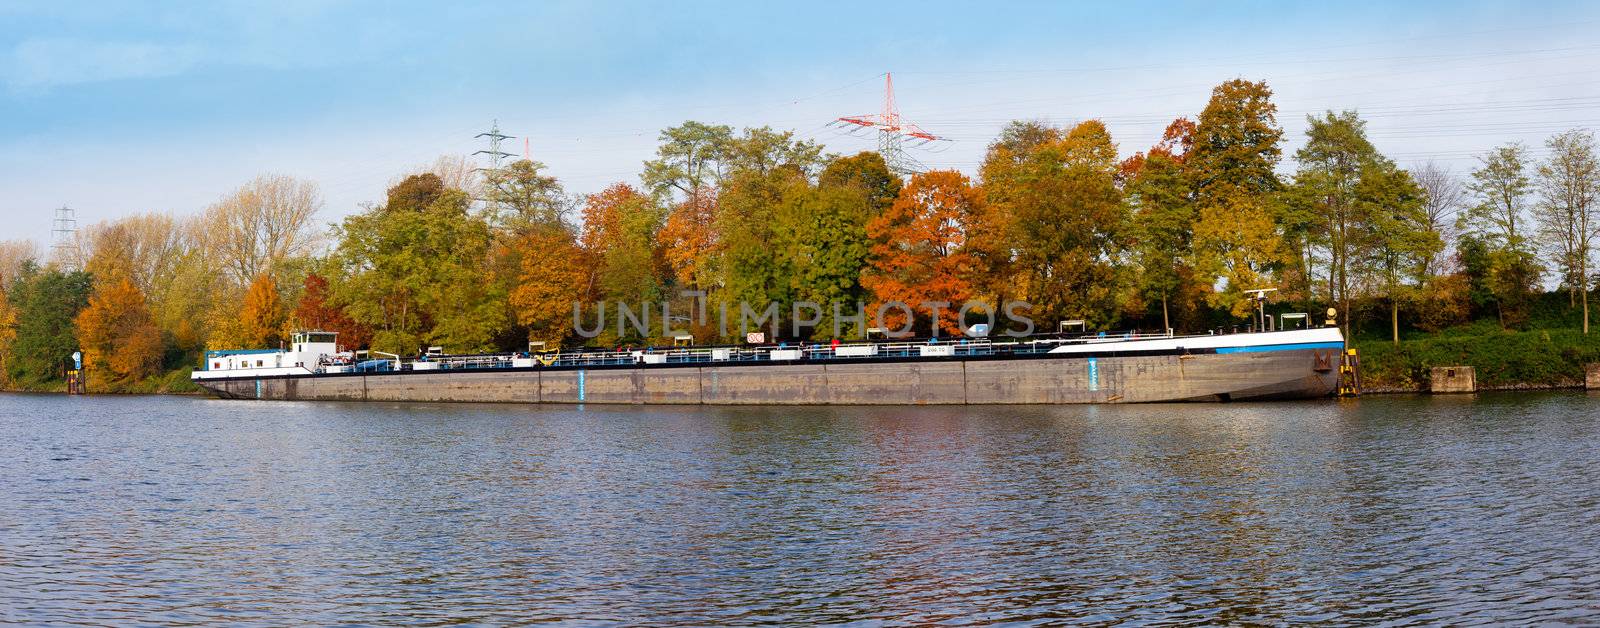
pixel 1568 211
pixel 553 276
pixel 1237 145
pixel 689 242
pixel 620 225
pixel 259 321
pixel 919 253
pixel 264 222
pixel 119 339
pixel 14 254
pixel 1065 216
pixel 458 172
pixel 318 311
pixel 143 248
pixel 722 186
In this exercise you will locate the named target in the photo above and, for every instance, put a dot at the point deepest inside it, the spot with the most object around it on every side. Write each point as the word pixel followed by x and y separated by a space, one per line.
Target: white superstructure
pixel 307 349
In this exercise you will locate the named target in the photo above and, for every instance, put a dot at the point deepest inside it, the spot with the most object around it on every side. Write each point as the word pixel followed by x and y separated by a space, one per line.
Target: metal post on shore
pixel 75 376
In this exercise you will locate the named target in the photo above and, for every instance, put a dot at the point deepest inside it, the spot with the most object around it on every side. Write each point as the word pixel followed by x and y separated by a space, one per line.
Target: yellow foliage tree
pixel 119 338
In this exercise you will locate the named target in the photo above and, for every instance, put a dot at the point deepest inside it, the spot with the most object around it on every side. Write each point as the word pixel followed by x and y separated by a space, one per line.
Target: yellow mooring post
pixel 1349 374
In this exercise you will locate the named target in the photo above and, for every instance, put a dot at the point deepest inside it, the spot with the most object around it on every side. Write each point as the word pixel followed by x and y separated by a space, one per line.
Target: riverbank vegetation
pixel 1425 266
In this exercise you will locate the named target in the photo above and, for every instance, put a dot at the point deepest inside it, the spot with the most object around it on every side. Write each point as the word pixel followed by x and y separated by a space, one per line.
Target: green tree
pixel 866 172
pixel 46 302
pixel 520 197
pixel 1397 239
pixel 1162 228
pixel 1502 186
pixel 690 159
pixel 416 276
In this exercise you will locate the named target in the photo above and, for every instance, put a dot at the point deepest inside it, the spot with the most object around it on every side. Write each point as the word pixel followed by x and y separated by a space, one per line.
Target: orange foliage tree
pixel 261 318
pixel 316 312
pixel 689 240
pixel 120 339
pixel 554 276
pixel 920 251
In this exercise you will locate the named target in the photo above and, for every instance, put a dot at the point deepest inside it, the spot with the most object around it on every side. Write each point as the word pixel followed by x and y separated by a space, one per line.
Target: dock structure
pixel 1453 379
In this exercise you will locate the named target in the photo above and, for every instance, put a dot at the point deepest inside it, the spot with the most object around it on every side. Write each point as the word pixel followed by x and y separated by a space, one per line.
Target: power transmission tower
pixel 895 134
pixel 494 152
pixel 492 174
pixel 63 237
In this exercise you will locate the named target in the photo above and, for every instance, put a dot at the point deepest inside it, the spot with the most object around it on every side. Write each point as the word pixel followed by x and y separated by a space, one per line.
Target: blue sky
pixel 116 108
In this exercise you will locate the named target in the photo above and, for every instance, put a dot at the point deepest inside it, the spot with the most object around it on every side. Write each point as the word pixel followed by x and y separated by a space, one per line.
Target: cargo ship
pixel 1086 368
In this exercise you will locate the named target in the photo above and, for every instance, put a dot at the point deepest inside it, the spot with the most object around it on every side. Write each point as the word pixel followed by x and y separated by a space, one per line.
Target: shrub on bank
pixel 1503 359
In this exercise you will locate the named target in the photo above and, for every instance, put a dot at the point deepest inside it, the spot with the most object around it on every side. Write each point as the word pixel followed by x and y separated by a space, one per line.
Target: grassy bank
pixel 174 382
pixel 1551 358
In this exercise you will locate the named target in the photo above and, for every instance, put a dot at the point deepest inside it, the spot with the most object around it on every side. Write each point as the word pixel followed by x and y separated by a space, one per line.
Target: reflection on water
pixel 1406 509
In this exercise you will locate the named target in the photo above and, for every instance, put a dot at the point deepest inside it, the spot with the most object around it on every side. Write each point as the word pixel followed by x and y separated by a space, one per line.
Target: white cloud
pixel 39 64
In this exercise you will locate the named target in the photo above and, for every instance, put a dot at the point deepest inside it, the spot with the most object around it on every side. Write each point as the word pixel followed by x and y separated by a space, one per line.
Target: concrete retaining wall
pixel 1258 375
pixel 1591 379
pixel 1453 379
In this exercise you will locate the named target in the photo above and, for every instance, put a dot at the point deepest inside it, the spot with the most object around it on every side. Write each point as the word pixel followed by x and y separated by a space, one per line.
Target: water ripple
pixel 1394 511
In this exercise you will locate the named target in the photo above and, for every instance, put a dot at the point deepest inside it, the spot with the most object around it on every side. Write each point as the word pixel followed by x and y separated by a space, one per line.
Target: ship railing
pixel 776 353
pixel 926 348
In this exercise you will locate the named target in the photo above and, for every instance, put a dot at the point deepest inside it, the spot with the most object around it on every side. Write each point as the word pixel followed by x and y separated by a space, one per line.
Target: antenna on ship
pixel 1259 295
pixel 895 133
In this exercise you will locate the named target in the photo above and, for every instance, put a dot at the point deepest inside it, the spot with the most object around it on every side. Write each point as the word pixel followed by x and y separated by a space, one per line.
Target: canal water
pixel 1385 509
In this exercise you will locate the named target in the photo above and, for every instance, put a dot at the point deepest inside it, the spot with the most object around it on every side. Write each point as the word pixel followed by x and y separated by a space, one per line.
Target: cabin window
pixel 258 363
pixel 216 365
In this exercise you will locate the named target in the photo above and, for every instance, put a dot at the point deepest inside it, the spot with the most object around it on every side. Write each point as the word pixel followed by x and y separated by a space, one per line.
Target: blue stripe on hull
pixel 1303 345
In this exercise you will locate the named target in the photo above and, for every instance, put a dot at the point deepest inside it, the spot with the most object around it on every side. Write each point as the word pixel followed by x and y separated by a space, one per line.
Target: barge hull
pixel 1280 374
